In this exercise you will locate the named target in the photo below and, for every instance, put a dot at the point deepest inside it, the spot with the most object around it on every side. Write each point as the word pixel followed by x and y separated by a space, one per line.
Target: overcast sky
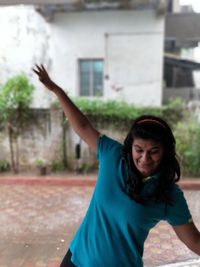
pixel 194 3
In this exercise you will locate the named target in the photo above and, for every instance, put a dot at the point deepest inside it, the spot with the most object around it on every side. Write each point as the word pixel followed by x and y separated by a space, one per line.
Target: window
pixel 91 77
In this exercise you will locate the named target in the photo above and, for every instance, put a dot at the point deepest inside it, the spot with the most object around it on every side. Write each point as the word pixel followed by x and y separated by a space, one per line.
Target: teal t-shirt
pixel 115 227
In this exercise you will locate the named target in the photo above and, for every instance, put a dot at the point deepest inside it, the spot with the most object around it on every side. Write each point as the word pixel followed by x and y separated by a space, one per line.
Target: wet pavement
pixel 38 220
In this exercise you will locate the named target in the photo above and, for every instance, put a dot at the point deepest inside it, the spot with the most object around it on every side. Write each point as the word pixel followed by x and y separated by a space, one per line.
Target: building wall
pixel 176 6
pixel 17 42
pixel 42 140
pixel 130 42
pixel 24 41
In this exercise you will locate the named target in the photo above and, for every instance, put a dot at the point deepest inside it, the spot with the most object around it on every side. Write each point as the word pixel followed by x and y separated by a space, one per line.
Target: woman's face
pixel 147 155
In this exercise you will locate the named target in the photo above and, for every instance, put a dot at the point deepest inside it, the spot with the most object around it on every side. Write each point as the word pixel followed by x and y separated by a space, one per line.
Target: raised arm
pixel 78 121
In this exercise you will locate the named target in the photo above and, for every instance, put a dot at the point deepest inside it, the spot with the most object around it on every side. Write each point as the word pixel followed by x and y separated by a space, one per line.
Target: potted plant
pixel 4 166
pixel 41 166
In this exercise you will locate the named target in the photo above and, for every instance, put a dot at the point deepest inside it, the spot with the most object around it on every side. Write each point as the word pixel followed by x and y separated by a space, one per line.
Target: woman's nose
pixel 146 157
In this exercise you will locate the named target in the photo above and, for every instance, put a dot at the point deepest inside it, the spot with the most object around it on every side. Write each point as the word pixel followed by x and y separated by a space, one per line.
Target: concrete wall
pixel 130 42
pixel 25 40
pixel 42 139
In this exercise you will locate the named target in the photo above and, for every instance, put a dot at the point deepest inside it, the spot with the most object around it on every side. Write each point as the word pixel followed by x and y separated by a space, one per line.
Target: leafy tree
pixel 15 99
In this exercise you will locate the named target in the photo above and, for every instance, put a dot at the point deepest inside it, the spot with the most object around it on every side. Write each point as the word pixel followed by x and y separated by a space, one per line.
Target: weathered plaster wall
pixel 25 40
pixel 42 139
pixel 130 42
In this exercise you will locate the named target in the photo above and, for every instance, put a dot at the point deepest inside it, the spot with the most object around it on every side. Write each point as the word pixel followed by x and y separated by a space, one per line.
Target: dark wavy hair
pixel 155 128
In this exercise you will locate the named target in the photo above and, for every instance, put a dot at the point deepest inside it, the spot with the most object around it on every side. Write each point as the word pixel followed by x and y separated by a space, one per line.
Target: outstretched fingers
pixel 37 72
pixel 43 75
pixel 41 72
pixel 43 68
pixel 38 68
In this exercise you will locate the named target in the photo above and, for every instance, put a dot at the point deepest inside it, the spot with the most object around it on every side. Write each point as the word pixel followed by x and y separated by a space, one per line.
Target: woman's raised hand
pixel 77 119
pixel 44 76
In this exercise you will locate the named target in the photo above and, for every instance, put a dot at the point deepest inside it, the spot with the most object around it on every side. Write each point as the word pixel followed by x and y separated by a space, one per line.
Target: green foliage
pixel 188 146
pixel 84 168
pixel 175 111
pixel 4 166
pixel 40 163
pixel 121 114
pixel 15 98
pixel 57 166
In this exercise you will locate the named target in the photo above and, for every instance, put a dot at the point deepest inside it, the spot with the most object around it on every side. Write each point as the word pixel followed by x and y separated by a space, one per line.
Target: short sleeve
pixel 178 213
pixel 106 145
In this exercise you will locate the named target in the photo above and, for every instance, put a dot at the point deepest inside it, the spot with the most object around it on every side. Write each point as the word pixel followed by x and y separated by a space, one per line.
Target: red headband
pixel 151 121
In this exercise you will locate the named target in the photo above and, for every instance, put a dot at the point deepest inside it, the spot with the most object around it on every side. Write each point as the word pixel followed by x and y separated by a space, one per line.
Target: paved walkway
pixel 189 263
pixel 39 215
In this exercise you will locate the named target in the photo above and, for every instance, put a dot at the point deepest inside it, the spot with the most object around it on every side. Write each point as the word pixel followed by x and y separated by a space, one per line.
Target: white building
pixel 112 52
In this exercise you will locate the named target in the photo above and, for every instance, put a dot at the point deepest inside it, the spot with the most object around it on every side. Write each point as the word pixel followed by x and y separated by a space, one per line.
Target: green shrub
pixel 4 166
pixel 15 99
pixel 188 146
pixel 40 163
pixel 84 168
pixel 57 166
pixel 121 114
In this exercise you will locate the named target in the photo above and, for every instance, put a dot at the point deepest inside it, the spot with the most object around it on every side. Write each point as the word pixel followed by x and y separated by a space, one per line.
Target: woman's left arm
pixel 189 235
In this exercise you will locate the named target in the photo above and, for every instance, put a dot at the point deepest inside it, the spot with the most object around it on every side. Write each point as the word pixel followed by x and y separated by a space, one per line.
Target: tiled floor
pixel 38 221
pixel 189 263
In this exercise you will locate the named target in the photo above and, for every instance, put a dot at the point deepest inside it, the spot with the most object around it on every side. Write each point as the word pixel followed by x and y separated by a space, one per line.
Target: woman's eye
pixel 154 151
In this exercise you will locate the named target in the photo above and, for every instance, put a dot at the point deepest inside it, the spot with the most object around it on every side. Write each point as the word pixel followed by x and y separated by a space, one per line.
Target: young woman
pixel 135 189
